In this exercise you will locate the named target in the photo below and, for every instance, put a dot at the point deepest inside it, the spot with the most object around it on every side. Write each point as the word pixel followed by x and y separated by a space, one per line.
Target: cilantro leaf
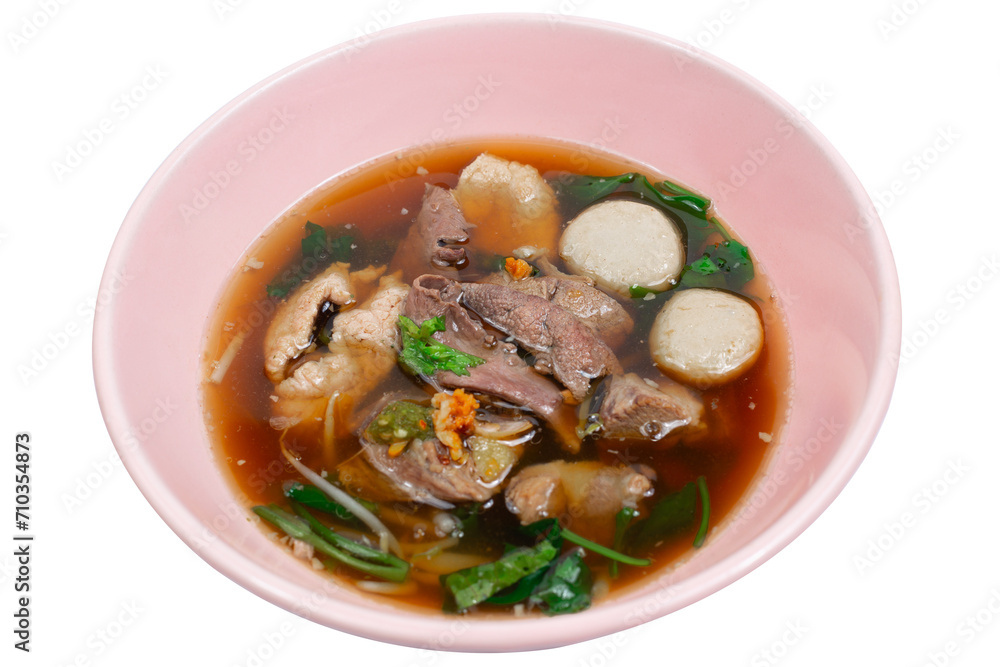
pixel 721 265
pixel 319 250
pixel 423 355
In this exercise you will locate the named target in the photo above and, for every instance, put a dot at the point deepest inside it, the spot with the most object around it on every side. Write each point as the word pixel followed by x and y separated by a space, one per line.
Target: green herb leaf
pixel 674 513
pixel 343 550
pixel 722 265
pixel 565 586
pixel 477 584
pixel 423 355
pixel 319 250
pixel 582 191
pixel 314 244
pixel 706 510
pixel 520 591
pixel 637 292
pixel 622 519
pixel 311 496
pixel 400 421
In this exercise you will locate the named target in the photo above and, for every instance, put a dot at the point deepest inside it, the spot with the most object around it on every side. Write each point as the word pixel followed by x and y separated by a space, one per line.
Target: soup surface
pixel 671 481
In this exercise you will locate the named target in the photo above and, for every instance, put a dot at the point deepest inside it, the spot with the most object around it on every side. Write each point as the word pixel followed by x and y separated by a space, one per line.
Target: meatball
pixel 706 337
pixel 623 244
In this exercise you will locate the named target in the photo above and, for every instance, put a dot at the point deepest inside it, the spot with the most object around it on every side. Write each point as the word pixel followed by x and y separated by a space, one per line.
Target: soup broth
pixel 369 214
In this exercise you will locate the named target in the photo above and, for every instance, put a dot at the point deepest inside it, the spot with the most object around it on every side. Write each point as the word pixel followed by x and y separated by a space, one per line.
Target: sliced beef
pixel 435 240
pixel 583 495
pixel 561 343
pixel 504 375
pixel 425 473
pixel 632 408
pixel 600 312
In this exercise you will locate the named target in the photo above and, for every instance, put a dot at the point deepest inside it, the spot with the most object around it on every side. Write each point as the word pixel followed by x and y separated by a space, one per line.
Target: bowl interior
pixel 776 182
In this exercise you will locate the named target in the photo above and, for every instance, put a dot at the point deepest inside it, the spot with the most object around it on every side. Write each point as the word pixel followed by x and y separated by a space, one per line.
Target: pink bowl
pixel 783 188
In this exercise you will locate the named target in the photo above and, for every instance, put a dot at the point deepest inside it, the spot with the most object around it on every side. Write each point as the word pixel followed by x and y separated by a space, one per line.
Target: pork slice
pixel 361 353
pixel 632 408
pixel 602 313
pixel 290 331
pixel 584 495
pixel 504 374
pixel 561 343
pixel 435 240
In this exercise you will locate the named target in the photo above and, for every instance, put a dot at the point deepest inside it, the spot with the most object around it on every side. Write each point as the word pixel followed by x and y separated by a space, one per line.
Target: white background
pixel 857 588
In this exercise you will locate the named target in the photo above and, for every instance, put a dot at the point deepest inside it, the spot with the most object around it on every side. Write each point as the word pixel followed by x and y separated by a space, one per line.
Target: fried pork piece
pixel 290 332
pixel 361 353
pixel 633 408
pixel 583 495
pixel 509 203
pixel 601 313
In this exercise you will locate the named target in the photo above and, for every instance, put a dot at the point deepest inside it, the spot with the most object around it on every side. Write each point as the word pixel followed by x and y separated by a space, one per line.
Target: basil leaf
pixel 674 513
pixel 565 587
pixel 477 584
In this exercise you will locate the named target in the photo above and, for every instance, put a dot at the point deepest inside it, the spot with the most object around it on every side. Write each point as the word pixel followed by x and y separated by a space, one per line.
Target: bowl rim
pixel 608 617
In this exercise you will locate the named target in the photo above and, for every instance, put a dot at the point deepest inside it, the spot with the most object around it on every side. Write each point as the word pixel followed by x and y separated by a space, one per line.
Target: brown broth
pixel 373 202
